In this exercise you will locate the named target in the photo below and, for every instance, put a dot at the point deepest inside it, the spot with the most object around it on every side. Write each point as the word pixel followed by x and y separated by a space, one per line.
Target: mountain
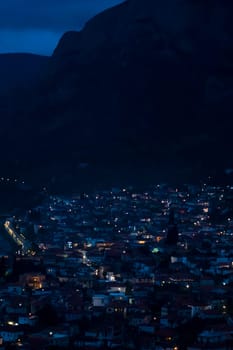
pixel 19 74
pixel 145 88
pixel 18 70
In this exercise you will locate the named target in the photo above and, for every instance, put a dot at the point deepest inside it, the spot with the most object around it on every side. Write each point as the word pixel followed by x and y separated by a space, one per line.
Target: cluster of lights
pixel 7 179
pixel 12 323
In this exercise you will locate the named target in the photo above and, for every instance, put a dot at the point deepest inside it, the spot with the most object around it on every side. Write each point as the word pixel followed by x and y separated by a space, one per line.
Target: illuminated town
pixel 120 268
pixel 116 176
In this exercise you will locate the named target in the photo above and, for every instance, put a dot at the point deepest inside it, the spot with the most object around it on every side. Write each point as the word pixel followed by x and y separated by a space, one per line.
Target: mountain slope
pixel 144 85
pixel 18 70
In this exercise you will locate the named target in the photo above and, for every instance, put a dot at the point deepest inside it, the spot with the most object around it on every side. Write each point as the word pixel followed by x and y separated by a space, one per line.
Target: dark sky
pixel 36 25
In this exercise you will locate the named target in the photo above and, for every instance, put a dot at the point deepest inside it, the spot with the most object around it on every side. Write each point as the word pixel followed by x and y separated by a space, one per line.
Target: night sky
pixel 35 26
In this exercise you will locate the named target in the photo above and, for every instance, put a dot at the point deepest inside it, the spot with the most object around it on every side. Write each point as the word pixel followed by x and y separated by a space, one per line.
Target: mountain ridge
pixel 142 85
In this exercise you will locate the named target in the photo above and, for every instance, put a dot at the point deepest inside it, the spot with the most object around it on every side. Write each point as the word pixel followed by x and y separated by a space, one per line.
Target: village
pixel 121 269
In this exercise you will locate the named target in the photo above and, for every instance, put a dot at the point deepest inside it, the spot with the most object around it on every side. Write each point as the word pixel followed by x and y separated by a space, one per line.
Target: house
pixel 11 333
pixel 48 338
pixel 30 320
pixel 17 305
pixel 100 300
pixel 15 288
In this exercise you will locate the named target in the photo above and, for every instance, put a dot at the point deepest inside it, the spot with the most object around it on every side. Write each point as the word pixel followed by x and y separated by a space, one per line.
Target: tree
pixel 48 316
pixel 172 233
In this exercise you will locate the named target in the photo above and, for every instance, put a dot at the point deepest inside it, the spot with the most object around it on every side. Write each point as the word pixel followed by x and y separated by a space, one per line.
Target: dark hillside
pixel 145 85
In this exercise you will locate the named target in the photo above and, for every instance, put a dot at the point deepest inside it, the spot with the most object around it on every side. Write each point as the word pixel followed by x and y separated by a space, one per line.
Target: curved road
pixel 18 238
